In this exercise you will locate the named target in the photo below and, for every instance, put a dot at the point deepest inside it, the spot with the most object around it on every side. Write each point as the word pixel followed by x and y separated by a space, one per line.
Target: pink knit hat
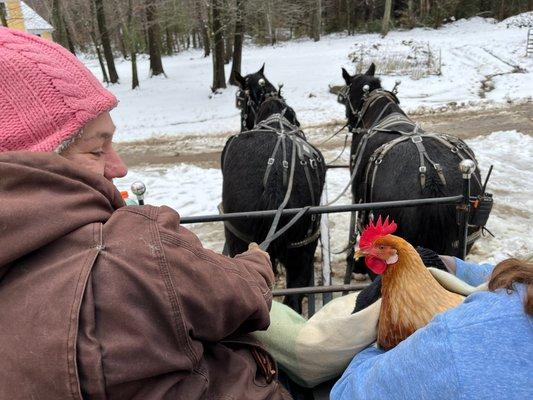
pixel 46 93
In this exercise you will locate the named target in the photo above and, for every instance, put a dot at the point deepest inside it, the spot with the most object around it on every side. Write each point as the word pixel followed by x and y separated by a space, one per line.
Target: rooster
pixel 411 297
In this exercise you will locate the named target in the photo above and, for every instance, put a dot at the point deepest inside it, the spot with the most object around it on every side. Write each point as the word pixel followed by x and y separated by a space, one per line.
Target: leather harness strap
pixel 308 156
pixel 401 124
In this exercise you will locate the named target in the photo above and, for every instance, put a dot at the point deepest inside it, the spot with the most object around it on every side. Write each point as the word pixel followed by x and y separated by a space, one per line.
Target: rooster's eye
pixel 381 247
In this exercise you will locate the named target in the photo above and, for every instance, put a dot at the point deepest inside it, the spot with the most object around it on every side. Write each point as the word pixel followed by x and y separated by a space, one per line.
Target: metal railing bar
pixel 319 289
pixel 324 209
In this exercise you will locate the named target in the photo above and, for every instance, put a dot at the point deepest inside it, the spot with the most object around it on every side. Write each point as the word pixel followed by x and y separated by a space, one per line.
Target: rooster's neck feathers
pixel 410 296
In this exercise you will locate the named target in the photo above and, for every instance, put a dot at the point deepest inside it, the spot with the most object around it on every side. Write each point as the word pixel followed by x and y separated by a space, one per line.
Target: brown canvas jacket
pixel 102 301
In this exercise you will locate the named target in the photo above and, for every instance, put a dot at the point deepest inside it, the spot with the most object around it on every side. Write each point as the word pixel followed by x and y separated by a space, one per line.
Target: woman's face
pixel 94 149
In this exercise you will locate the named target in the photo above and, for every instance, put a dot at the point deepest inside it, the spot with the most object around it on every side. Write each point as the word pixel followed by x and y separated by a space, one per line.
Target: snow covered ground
pixel 183 104
pixel 193 191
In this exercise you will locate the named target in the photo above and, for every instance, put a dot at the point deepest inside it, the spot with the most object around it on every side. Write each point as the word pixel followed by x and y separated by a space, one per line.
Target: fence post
pixel 467 168
pixel 325 247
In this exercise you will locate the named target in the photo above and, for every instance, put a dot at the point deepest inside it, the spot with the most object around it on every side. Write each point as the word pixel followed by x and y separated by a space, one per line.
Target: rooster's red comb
pixel 377 230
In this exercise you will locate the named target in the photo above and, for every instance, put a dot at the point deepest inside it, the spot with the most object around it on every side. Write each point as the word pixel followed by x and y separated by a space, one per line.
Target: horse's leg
pixel 299 265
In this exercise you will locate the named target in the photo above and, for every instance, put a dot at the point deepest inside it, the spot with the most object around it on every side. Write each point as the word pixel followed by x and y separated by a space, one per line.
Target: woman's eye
pixel 97 153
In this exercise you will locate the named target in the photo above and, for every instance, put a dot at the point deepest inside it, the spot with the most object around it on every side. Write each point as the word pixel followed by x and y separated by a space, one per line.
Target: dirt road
pixel 205 151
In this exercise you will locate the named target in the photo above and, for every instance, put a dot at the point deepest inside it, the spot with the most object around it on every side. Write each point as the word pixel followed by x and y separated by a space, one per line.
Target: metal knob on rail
pixel 138 189
pixel 467 168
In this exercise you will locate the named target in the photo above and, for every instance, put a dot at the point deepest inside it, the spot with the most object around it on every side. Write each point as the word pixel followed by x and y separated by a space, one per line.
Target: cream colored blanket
pixel 315 350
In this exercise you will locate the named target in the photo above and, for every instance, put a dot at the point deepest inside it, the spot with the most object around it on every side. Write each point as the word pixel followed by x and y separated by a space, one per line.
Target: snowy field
pixel 183 103
pixel 193 191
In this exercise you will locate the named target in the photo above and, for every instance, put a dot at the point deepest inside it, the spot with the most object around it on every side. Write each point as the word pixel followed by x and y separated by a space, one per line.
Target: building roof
pixel 32 20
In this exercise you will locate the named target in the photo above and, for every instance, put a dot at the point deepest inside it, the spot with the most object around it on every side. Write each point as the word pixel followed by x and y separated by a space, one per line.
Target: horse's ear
pixel 371 70
pixel 346 76
pixel 240 80
pixel 262 70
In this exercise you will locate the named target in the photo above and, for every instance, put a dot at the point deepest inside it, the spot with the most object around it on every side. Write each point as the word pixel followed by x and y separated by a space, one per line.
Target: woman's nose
pixel 115 167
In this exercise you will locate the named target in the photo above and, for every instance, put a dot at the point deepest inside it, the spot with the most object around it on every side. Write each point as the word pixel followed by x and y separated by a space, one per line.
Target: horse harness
pixel 308 157
pixel 408 131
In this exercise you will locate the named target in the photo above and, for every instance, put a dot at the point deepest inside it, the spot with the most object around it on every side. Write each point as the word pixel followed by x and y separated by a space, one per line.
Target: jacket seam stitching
pixel 142 212
pixel 69 352
pixel 172 293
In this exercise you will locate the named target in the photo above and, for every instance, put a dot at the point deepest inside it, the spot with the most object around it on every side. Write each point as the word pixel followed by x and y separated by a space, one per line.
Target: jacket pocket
pixel 267 369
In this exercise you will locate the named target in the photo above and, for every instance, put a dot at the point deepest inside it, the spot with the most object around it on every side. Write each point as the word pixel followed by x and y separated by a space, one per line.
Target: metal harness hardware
pixel 309 157
pixel 397 123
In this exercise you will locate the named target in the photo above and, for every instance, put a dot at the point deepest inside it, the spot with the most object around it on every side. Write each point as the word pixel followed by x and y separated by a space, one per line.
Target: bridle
pixel 369 98
pixel 244 102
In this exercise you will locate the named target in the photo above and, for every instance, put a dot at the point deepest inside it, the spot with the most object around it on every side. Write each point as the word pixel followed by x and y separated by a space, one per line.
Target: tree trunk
pixel 131 37
pixel 99 54
pixel 58 22
pixel 386 18
pixel 202 25
pixel 169 42
pixel 154 39
pixel 194 44
pixel 134 74
pixel 121 43
pixel 68 36
pixel 104 36
pixel 349 17
pixel 271 31
pixel 316 20
pixel 237 43
pixel 411 13
pixel 228 45
pixel 3 14
pixel 219 79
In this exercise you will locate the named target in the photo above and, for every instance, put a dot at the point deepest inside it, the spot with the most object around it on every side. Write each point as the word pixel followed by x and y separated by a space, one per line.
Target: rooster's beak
pixel 358 254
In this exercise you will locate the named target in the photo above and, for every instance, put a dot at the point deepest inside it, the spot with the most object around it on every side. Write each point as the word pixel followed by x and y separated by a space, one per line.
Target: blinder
pixel 342 96
pixel 240 99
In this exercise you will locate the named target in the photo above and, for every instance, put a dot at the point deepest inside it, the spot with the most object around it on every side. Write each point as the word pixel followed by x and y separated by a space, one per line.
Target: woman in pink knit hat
pixel 99 300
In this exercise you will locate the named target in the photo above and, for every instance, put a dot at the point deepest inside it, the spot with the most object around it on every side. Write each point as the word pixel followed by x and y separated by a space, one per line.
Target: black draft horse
pixel 417 165
pixel 257 166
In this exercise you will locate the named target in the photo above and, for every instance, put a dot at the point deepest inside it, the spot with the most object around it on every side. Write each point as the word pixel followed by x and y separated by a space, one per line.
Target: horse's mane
pixel 276 105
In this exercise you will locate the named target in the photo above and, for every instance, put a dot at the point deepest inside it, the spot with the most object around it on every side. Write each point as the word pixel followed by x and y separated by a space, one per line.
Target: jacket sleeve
pixel 420 367
pixel 217 295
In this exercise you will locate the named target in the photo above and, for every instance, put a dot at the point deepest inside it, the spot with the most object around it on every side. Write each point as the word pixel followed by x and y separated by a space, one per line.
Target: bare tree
pixel 316 20
pixel 154 39
pixel 237 40
pixel 386 18
pixel 219 78
pixel 202 25
pixel 104 37
pixel 128 23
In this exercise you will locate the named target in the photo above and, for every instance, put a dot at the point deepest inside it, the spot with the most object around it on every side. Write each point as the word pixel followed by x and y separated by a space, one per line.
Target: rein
pixel 301 149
